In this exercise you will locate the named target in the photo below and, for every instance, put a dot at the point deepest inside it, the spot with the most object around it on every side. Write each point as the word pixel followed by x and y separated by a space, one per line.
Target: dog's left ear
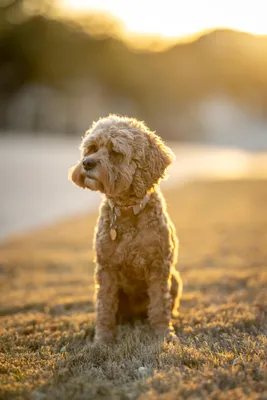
pixel 159 156
pixel 156 158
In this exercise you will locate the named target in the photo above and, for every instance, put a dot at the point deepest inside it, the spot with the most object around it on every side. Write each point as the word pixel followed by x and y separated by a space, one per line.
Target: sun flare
pixel 173 19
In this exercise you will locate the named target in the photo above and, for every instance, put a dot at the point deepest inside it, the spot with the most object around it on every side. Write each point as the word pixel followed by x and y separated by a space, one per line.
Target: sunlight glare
pixel 175 18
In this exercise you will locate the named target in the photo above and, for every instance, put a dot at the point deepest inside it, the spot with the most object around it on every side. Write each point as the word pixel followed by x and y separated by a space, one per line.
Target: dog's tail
pixel 176 292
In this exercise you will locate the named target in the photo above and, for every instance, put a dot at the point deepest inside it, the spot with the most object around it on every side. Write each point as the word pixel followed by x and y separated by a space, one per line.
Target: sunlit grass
pixel 47 309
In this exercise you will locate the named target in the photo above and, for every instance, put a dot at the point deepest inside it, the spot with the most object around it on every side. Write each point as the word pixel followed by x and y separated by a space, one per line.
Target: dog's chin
pixel 92 184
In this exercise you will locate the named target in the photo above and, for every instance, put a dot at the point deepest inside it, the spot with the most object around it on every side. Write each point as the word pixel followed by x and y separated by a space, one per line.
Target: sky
pixel 178 19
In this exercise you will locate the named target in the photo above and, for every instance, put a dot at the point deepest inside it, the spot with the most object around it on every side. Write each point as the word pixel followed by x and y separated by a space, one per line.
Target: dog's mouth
pixel 92 178
pixel 90 175
pixel 91 181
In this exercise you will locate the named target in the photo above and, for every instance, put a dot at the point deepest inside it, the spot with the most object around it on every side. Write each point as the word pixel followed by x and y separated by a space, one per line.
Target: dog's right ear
pixel 76 176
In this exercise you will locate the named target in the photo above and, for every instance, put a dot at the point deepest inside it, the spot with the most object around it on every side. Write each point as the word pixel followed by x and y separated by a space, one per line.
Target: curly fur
pixel 135 274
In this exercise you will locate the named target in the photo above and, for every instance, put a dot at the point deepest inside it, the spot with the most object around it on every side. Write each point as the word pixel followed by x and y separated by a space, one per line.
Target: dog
pixel 135 241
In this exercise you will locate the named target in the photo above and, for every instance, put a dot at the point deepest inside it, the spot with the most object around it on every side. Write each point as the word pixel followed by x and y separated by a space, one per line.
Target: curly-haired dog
pixel 135 240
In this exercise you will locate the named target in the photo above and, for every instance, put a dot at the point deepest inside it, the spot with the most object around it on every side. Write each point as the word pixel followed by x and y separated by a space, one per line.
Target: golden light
pixel 173 19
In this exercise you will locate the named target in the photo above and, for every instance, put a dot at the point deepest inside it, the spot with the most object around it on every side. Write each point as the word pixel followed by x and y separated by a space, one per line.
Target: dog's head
pixel 121 157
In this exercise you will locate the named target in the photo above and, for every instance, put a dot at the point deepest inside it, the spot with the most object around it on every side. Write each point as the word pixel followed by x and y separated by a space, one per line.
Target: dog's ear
pixel 76 176
pixel 157 156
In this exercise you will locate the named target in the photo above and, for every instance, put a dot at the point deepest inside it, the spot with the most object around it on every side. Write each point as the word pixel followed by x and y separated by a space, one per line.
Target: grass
pixel 47 309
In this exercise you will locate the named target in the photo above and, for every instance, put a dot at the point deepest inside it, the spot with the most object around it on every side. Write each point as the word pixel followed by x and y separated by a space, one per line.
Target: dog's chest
pixel 129 253
pixel 132 250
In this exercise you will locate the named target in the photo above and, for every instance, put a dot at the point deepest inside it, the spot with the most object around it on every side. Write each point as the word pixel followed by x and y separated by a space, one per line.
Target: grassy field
pixel 47 309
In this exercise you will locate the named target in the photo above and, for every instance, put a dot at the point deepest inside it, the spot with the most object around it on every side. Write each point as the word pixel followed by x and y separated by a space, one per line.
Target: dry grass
pixel 47 312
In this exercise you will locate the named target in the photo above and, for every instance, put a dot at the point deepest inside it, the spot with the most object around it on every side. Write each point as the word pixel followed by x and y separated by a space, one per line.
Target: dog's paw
pixel 167 334
pixel 102 341
pixel 108 338
pixel 172 338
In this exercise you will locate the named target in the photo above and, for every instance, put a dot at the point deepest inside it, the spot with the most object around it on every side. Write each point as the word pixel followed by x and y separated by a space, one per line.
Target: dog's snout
pixel 89 163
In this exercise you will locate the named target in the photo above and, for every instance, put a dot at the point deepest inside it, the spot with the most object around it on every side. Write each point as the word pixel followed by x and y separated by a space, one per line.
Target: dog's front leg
pixel 106 305
pixel 159 310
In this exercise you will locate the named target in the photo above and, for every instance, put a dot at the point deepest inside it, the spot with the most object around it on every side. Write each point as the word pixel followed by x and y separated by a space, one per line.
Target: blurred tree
pixel 39 46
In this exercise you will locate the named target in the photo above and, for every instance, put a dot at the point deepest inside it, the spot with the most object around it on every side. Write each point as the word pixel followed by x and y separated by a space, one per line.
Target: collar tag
pixel 113 226
pixel 113 234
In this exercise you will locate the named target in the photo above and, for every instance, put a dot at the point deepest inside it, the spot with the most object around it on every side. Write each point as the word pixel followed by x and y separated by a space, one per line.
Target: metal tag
pixel 113 233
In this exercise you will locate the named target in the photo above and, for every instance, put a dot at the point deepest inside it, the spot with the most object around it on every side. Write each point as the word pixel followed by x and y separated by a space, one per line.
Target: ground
pixel 47 309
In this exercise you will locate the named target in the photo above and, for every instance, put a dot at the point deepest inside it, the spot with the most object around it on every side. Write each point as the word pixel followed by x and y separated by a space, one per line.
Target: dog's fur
pixel 135 274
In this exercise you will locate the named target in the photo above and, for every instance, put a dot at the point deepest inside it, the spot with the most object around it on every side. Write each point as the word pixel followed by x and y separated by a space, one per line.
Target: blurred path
pixel 35 189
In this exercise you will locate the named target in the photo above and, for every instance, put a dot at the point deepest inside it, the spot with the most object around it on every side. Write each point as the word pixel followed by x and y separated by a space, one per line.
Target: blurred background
pixel 195 71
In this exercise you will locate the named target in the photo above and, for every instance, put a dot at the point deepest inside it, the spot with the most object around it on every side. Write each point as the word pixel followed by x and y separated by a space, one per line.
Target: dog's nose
pixel 89 163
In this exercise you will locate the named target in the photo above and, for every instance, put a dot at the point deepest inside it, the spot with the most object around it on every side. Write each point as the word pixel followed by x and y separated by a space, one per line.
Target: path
pixel 35 189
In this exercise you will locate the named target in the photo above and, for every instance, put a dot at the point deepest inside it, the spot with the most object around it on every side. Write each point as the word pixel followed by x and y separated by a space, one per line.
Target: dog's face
pixel 121 157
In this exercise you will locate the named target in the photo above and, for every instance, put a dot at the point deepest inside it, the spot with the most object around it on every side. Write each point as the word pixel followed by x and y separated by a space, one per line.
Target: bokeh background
pixel 195 71
pixel 65 63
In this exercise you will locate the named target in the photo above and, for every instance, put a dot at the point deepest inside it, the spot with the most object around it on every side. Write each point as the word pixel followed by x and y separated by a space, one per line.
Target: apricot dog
pixel 135 240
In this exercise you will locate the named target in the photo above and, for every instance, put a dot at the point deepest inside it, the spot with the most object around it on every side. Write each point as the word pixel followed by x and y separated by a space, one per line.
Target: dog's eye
pixel 115 157
pixel 92 149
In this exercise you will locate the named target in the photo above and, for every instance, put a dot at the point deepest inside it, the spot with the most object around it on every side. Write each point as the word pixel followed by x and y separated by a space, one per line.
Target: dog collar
pixel 117 211
pixel 135 209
